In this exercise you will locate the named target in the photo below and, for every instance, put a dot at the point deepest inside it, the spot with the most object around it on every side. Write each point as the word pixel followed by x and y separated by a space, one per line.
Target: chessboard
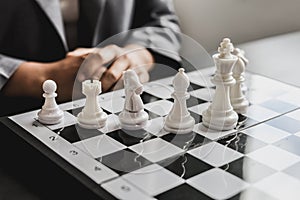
pixel 259 159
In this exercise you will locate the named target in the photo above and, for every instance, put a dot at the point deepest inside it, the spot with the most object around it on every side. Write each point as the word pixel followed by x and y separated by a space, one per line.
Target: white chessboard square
pixel 211 134
pixel 291 97
pixel 156 149
pixel 280 186
pixel 159 90
pixel 112 124
pixel 122 189
pixel 68 120
pixel 295 115
pixel 112 95
pixel 99 146
pixel 198 109
pixel 274 157
pixel 217 183
pixel 201 77
pixel 206 94
pixel 161 107
pixel 153 179
pixel 113 105
pixel 156 127
pixel 266 133
pixel 260 113
pixel 215 154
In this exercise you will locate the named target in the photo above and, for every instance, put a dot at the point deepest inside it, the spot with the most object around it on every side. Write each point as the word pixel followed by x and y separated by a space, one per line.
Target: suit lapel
pixel 52 10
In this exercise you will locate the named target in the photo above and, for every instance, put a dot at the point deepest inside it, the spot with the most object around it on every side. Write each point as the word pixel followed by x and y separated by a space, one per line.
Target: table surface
pixel 274 57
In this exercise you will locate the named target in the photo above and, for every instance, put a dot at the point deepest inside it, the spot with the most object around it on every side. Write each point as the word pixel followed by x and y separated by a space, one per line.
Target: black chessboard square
pixel 181 192
pixel 193 101
pixel 75 133
pixel 124 161
pixel 148 98
pixel 286 124
pixel 193 87
pixel 186 141
pixel 242 143
pixel 290 143
pixel 185 166
pixel 197 117
pixel 152 115
pixel 248 169
pixel 130 138
pixel 76 111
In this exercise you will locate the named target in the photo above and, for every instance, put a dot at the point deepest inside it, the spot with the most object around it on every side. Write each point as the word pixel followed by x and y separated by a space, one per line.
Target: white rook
pixel 92 115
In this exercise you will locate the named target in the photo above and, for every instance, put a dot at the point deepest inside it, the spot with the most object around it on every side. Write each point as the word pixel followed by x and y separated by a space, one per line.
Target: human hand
pixel 120 59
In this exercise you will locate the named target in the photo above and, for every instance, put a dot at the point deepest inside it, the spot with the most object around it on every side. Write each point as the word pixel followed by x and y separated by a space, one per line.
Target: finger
pixel 142 72
pixel 114 73
pixel 109 53
pixel 81 52
pixel 91 68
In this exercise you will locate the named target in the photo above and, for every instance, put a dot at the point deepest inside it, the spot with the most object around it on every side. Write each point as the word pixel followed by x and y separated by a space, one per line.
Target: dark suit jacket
pixel 32 30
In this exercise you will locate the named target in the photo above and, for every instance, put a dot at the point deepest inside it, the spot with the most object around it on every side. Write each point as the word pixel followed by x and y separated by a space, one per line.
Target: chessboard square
pixel 197 117
pixel 266 133
pixel 278 106
pixel 193 87
pixel 260 113
pixel 181 192
pixel 186 141
pixel 290 144
pixel 280 186
pixel 124 161
pixel 75 111
pixel 199 78
pixel 256 97
pixel 121 189
pixel 156 127
pixel 99 146
pixel 159 90
pixel 206 94
pixel 242 143
pixel 114 105
pixel 252 193
pixel 217 183
pixel 291 97
pixel 295 115
pixel 130 137
pixel 286 124
pixel 200 108
pixel 248 169
pixel 112 124
pixel 68 120
pixel 186 166
pixel 153 179
pixel 69 133
pixel 215 154
pixel 211 134
pixel 274 157
pixel 161 108
pixel 193 101
pixel 294 170
pixel 148 98
pixel 156 149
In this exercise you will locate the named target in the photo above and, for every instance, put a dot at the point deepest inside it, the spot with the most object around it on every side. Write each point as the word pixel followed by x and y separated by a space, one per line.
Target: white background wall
pixel 208 21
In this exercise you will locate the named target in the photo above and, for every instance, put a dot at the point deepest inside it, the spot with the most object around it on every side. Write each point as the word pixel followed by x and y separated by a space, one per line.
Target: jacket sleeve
pixel 156 27
pixel 8 66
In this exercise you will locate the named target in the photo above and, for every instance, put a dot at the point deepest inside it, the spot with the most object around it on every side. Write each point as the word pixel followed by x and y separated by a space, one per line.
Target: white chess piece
pixel 179 120
pixel 133 116
pixel 92 115
pixel 220 114
pixel 238 99
pixel 50 112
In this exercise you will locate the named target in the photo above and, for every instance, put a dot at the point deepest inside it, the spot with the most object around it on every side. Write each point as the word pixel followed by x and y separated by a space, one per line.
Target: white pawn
pixel 220 114
pixel 133 116
pixel 179 120
pixel 238 99
pixel 50 112
pixel 92 115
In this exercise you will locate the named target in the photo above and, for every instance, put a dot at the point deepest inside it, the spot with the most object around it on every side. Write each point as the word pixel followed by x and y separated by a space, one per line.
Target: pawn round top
pixel 181 81
pixel 49 86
